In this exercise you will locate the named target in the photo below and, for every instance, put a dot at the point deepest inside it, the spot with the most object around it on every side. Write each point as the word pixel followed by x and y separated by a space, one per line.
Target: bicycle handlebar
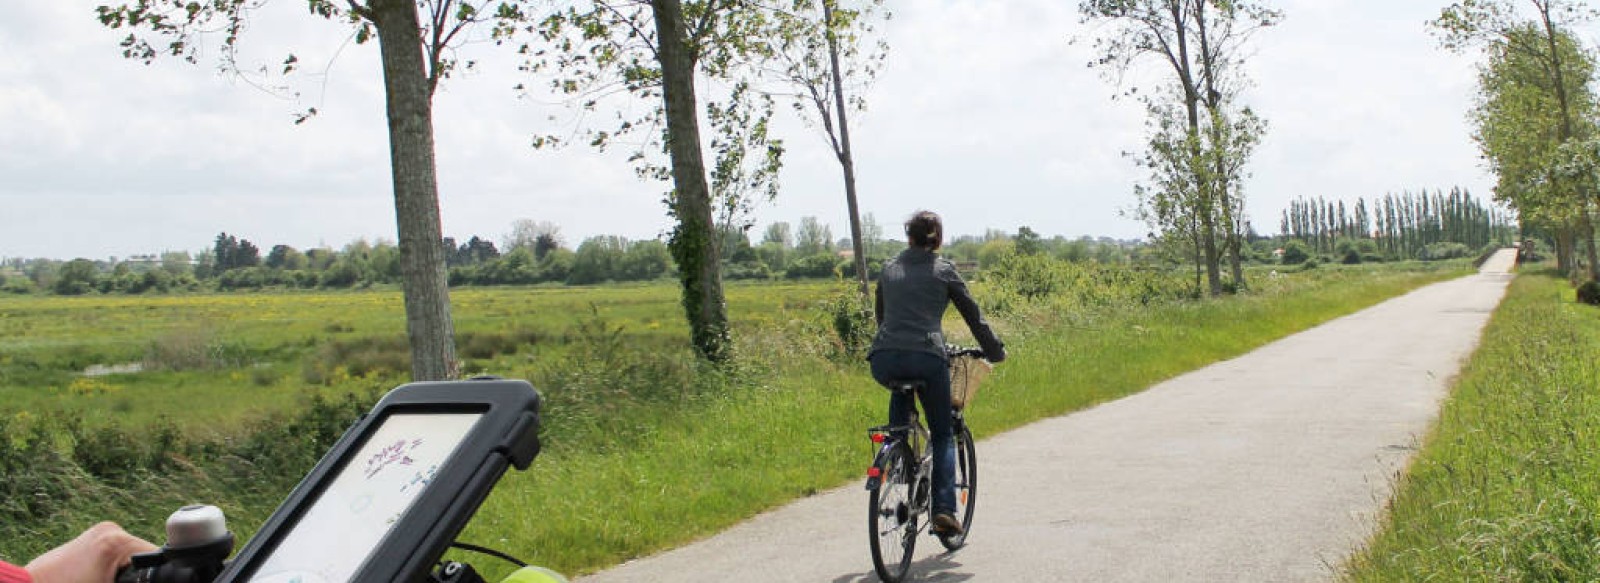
pixel 199 543
pixel 953 351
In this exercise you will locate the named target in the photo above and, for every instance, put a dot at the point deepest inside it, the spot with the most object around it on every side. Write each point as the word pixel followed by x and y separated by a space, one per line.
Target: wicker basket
pixel 966 373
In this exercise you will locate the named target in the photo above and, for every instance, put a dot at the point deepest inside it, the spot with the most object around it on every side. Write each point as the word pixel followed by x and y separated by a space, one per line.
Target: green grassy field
pixel 211 360
pixel 1507 485
pixel 647 448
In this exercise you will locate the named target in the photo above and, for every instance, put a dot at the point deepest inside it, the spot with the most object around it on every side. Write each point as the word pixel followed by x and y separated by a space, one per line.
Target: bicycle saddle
pixel 906 385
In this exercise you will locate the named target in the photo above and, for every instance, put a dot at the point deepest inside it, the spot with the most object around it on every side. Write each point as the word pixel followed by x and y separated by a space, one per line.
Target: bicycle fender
pixel 878 462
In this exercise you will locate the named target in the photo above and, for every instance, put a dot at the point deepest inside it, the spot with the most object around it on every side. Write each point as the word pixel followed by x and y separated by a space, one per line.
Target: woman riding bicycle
pixel 911 297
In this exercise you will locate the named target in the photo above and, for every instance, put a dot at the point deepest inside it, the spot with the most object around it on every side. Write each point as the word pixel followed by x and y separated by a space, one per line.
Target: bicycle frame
pixel 912 433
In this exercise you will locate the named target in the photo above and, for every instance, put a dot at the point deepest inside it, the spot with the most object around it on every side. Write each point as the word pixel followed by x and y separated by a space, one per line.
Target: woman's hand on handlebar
pixel 953 351
pixel 93 557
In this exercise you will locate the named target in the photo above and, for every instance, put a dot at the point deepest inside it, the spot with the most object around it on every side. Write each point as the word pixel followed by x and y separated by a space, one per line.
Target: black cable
pixel 488 551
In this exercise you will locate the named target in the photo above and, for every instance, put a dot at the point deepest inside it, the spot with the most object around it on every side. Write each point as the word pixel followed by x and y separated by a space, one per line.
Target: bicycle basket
pixel 966 373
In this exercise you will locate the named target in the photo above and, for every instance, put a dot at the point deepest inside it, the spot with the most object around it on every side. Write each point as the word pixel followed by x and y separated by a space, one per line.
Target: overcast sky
pixel 986 113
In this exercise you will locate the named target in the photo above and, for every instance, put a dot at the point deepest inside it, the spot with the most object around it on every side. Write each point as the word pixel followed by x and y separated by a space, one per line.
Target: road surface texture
pixel 1269 467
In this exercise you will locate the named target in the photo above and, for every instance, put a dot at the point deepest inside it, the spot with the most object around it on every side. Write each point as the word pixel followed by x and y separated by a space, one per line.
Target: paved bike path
pixel 1268 467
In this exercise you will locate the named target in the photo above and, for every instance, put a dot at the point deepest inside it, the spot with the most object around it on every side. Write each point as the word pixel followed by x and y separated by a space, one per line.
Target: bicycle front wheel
pixel 891 517
pixel 966 486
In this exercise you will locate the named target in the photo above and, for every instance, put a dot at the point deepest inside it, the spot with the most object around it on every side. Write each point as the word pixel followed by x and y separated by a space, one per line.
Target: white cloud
pixel 985 113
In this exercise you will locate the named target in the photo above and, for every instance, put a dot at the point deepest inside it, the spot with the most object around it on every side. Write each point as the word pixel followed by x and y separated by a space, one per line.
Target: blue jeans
pixel 892 365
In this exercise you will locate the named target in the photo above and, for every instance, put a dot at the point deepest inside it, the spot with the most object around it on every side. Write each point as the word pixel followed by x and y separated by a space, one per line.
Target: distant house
pixel 145 260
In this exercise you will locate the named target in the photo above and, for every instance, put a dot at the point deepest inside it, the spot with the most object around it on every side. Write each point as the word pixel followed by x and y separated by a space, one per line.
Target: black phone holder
pixel 503 432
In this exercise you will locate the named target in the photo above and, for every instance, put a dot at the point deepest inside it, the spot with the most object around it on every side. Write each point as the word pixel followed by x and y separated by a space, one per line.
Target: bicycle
pixel 900 482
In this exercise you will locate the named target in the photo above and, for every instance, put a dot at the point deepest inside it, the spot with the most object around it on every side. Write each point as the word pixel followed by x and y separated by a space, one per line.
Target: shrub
pixel 276 451
pixel 1031 276
pixel 847 268
pixel 556 265
pixel 645 260
pixel 1589 293
pixel 486 345
pixel 1351 257
pixel 193 349
pixel 814 266
pixel 1295 252
pixel 746 270
pixel 109 453
pixel 372 355
pixel 853 325
pixel 993 252
pixel 155 279
pixel 77 277
pixel 18 286
pixel 38 478
pixel 249 278
pixel 1067 285
pixel 341 274
pixel 1441 251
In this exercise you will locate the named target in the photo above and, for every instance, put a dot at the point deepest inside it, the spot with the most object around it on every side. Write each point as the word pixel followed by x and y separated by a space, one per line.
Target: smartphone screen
pixel 372 491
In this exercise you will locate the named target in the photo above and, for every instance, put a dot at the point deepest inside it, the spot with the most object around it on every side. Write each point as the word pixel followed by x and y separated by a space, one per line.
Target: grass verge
pixel 1505 486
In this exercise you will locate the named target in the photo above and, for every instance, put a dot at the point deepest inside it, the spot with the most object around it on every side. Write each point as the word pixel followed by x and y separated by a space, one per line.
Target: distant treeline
pixel 1404 226
pixel 533 253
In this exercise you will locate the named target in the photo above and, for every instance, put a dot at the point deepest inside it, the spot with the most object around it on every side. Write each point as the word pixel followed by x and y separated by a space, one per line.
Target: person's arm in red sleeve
pixel 10 573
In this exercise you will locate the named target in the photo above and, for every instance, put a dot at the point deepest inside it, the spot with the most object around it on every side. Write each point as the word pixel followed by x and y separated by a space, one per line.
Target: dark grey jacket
pixel 911 298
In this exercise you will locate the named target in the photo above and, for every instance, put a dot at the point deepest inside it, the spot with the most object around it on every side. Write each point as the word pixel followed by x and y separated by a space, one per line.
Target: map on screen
pixel 375 488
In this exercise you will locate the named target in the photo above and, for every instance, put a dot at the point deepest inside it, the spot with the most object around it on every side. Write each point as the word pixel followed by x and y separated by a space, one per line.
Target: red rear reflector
pixel 877 438
pixel 874 472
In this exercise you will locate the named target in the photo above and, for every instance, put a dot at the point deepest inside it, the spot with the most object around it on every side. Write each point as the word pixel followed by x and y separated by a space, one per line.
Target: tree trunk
pixel 1194 235
pixel 1213 261
pixel 1563 236
pixel 416 191
pixel 1236 262
pixel 693 240
pixel 1204 199
pixel 1220 188
pixel 846 160
pixel 1586 233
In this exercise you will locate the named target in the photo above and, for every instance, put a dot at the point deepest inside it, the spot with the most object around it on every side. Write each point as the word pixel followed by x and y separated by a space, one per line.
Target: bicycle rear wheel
pixel 891 518
pixel 966 486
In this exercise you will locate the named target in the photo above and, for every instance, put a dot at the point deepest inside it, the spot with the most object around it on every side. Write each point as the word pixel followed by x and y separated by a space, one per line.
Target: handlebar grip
pixel 978 352
pixel 142 568
pixel 129 574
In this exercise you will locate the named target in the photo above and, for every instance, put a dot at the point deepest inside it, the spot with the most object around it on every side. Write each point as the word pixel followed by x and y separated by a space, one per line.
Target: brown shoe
pixel 945 523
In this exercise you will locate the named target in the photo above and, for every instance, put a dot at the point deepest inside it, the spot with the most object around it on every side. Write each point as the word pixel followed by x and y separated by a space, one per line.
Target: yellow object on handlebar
pixel 532 574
